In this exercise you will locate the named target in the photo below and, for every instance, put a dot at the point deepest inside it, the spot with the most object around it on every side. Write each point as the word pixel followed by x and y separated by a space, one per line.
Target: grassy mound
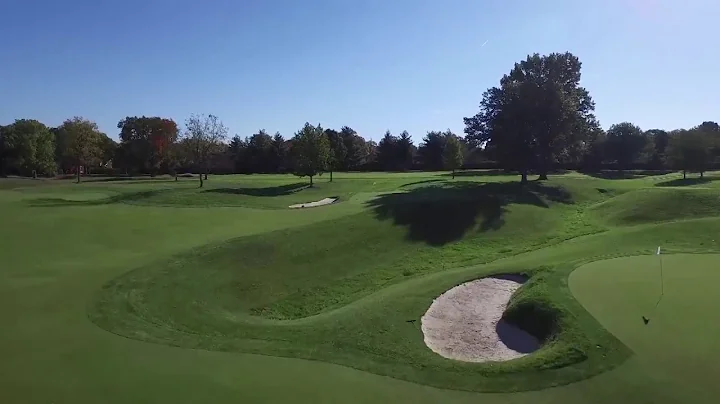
pixel 349 290
pixel 299 272
pixel 534 310
pixel 658 205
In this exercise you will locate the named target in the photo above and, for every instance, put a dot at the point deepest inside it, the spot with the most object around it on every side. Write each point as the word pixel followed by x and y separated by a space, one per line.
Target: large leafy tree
pixel 278 153
pixel 27 147
pixel 356 149
pixel 147 141
pixel 204 136
pixel 82 143
pixel 624 144
pixel 538 113
pixel 453 153
pixel 657 144
pixel 431 149
pixel 690 150
pixel 310 150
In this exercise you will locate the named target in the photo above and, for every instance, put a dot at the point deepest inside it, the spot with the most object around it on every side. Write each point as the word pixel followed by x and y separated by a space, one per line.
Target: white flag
pixel 658 251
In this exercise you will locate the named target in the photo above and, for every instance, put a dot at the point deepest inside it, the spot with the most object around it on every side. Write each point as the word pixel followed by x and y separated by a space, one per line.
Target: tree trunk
pixel 176 177
pixel 684 174
pixel 311 182
pixel 701 174
pixel 543 176
pixel 205 175
pixel 523 178
pixel 330 176
pixel 200 175
pixel 453 174
pixel 77 168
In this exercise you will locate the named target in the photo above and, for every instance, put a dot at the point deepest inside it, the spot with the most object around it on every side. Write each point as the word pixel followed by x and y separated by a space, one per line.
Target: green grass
pixel 679 344
pixel 235 273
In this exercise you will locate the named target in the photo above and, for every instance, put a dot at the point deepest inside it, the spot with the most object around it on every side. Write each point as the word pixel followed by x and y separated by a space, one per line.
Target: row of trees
pixel 155 145
pixel 539 117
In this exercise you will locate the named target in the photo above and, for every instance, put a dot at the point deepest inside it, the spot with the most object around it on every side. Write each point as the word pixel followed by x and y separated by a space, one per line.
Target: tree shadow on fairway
pixel 480 173
pixel 441 214
pixel 495 173
pixel 280 190
pixel 411 184
pixel 680 182
pixel 121 198
pixel 625 175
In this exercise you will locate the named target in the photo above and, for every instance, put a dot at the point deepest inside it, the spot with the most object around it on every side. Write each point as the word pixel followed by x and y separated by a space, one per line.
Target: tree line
pixel 537 119
pixel 157 145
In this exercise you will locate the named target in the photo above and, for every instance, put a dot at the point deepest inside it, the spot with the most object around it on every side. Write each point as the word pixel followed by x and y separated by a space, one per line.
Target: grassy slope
pixel 656 205
pixel 61 280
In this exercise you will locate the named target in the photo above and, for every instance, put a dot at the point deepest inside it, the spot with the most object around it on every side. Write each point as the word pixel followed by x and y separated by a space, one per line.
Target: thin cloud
pixel 484 43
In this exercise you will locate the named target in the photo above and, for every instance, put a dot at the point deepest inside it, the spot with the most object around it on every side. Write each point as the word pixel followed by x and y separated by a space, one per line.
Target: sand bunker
pixel 465 322
pixel 326 201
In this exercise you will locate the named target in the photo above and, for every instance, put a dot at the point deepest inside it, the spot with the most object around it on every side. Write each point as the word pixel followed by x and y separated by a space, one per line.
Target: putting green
pixel 680 342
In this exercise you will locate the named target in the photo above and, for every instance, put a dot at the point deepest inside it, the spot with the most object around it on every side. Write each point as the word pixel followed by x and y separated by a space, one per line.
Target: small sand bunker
pixel 465 323
pixel 326 201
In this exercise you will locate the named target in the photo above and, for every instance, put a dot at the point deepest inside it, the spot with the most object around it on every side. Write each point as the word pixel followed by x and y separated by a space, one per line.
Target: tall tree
pixel 204 135
pixel 279 153
pixel 356 147
pixel 27 147
pixel 310 151
pixel 453 153
pixel 386 152
pixel 690 150
pixel 238 152
pixel 499 129
pixel 431 150
pixel 147 141
pixel 658 140
pixel 82 143
pixel 624 144
pixel 533 116
pixel 338 151
pixel 404 151
pixel 259 152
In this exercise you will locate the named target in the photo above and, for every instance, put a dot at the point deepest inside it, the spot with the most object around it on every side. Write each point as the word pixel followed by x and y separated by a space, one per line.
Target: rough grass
pixel 658 205
pixel 339 284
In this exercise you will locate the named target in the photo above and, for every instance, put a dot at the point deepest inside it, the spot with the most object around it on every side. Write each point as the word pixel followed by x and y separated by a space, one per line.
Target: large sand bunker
pixel 465 323
pixel 326 201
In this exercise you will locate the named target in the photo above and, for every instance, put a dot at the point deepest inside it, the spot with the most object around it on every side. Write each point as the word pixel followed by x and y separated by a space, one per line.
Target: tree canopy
pixel 310 151
pixel 538 112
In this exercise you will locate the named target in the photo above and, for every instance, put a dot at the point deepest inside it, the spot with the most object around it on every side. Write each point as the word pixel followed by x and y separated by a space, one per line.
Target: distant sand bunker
pixel 326 201
pixel 465 323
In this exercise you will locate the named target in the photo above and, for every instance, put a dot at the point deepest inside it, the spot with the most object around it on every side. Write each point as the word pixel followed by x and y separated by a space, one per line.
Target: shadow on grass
pixel 479 173
pixel 122 198
pixel 496 172
pixel 441 214
pixel 684 182
pixel 625 175
pixel 266 191
pixel 421 182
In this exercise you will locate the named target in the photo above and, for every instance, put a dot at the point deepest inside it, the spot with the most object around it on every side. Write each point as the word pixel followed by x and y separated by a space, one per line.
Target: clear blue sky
pixel 413 65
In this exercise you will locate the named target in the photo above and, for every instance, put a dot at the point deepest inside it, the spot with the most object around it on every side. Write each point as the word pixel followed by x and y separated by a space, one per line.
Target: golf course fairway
pixel 150 290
